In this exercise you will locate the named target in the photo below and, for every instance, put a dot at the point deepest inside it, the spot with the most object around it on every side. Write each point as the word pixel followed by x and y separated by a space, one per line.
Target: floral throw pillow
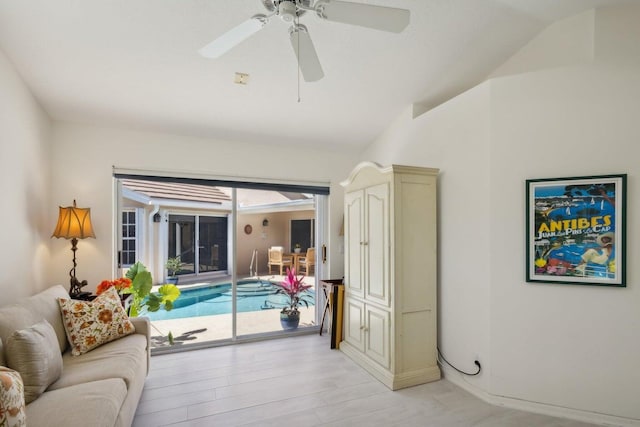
pixel 12 410
pixel 90 324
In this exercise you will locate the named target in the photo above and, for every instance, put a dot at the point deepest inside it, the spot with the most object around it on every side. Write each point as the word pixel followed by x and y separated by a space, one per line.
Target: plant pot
pixel 289 319
pixel 296 250
pixel 172 280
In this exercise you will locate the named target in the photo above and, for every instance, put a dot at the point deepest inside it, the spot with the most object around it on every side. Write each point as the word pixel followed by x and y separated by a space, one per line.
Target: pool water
pixel 253 295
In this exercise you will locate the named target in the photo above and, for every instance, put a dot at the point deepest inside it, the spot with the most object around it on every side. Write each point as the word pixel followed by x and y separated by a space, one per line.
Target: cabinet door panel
pixel 354 323
pixel 354 266
pixel 417 254
pixel 377 328
pixel 377 244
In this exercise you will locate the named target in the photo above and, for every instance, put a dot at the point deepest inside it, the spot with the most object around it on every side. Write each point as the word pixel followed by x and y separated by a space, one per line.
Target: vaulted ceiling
pixel 134 64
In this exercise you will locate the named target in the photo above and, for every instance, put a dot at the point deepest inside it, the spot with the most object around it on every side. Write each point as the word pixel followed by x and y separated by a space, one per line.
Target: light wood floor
pixel 301 382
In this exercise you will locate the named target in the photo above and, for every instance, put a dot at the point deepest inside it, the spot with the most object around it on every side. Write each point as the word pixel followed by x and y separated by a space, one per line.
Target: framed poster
pixel 576 230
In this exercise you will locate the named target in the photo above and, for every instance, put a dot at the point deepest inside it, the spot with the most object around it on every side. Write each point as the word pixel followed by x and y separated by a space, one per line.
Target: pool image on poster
pixel 576 230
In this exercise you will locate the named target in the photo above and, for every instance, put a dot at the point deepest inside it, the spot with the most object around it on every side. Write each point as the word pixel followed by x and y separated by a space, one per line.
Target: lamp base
pixel 75 290
pixel 84 296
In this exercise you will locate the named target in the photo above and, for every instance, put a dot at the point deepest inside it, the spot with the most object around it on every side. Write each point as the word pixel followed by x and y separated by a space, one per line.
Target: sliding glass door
pixel 223 238
pixel 201 241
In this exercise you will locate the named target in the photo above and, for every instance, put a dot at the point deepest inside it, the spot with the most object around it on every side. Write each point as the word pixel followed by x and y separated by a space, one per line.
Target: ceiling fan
pixel 365 15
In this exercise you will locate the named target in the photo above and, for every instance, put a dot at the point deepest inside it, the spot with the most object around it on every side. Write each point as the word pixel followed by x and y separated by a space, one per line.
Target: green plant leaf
pixel 143 298
pixel 153 302
pixel 142 284
pixel 135 269
pixel 169 292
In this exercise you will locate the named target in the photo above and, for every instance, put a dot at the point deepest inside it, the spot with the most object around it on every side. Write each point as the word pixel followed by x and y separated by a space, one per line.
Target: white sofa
pixel 98 388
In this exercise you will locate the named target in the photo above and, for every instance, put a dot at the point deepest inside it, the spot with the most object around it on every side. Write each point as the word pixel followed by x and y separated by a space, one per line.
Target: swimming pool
pixel 253 295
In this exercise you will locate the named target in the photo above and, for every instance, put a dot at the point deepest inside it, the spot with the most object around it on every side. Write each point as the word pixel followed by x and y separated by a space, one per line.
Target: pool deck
pixel 201 329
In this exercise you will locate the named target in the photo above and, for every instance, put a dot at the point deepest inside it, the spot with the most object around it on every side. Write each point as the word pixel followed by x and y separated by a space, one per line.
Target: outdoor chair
pixel 277 257
pixel 307 262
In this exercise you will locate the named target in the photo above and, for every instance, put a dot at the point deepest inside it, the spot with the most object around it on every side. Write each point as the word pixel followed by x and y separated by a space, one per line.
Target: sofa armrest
pixel 143 327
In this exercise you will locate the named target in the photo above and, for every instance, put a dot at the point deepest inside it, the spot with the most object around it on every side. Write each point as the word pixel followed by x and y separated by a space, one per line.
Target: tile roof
pixel 209 194
pixel 175 191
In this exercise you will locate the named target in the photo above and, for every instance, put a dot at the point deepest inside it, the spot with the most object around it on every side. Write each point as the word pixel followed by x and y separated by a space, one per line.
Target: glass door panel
pixel 254 291
pixel 213 237
pixel 203 311
pixel 263 226
pixel 182 238
pixel 302 233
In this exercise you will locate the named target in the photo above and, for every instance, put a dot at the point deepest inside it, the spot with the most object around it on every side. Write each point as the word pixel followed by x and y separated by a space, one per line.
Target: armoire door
pixel 376 245
pixel 354 238
pixel 354 330
pixel 377 345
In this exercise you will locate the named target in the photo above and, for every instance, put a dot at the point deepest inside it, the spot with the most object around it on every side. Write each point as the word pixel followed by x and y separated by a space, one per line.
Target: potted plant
pixel 293 287
pixel 142 297
pixel 173 265
pixel 296 248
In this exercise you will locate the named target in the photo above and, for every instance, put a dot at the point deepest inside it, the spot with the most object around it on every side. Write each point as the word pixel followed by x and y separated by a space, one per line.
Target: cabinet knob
pixel 365 243
pixel 364 328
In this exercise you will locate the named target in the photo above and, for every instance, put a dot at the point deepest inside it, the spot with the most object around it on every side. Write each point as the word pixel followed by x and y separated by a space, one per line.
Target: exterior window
pixel 128 238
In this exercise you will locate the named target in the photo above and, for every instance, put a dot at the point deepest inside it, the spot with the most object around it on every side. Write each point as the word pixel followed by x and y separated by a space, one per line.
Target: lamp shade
pixel 74 223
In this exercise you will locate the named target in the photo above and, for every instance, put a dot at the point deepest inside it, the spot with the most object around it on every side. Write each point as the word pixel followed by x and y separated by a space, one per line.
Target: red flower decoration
pixel 119 284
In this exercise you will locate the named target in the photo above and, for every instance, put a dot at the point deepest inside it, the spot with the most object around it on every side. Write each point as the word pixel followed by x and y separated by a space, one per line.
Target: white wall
pixel 82 168
pixel 572 346
pixel 454 138
pixel 27 214
pixel 559 349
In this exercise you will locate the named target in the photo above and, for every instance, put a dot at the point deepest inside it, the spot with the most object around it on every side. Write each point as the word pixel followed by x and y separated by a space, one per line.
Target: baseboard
pixel 421 376
pixel 378 372
pixel 536 407
pixel 394 382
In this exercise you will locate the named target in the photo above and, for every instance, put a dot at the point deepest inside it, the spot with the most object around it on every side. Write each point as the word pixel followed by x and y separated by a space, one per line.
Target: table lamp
pixel 74 223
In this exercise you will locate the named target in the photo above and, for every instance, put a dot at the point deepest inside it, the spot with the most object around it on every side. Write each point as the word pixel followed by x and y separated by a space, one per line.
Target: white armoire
pixel 390 273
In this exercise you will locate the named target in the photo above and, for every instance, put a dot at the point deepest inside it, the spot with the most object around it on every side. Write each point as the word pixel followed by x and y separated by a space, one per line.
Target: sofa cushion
pixel 29 311
pixel 90 324
pixel 34 353
pixel 123 358
pixel 12 410
pixel 94 404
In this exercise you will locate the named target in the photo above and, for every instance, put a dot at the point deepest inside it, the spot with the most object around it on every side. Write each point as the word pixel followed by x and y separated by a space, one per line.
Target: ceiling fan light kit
pixel 290 11
pixel 287 11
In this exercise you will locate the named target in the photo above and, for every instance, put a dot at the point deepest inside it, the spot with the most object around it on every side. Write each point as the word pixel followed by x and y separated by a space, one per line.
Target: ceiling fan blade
pixel 234 37
pixel 306 53
pixel 365 15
